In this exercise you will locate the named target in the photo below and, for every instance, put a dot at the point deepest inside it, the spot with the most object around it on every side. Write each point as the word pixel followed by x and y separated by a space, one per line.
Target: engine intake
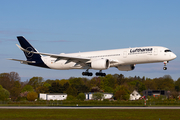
pixel 100 64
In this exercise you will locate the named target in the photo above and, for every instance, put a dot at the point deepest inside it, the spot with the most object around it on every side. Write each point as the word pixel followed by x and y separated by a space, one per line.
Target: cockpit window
pixel 167 51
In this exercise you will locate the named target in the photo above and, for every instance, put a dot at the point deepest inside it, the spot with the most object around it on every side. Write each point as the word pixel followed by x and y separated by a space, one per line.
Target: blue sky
pixel 67 26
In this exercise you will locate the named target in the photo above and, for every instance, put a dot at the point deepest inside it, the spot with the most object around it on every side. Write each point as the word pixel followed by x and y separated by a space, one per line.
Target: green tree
pixel 49 81
pixel 56 88
pixel 122 92
pixel 109 81
pixel 16 90
pixel 150 84
pixel 137 85
pixel 72 91
pixel 76 81
pixel 66 86
pixel 177 85
pixel 119 79
pixel 164 83
pixel 7 80
pixel 95 89
pixel 108 89
pixel 78 84
pixel 44 88
pixel 36 82
pixel 98 96
pixel 4 94
pixel 95 81
pixel 82 89
pixel 27 88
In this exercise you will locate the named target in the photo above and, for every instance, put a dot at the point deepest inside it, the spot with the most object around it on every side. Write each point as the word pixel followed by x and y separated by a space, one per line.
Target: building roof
pixel 54 93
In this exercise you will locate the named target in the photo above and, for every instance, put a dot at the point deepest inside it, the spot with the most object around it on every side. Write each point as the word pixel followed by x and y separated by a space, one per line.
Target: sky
pixel 69 26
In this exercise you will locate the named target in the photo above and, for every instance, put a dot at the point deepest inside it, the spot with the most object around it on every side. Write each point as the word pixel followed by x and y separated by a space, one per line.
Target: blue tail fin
pixel 30 56
pixel 26 45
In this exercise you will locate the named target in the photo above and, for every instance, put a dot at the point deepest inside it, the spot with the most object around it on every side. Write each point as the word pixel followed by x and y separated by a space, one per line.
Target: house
pixel 52 96
pixel 134 95
pixel 155 93
pixel 89 96
pixel 178 95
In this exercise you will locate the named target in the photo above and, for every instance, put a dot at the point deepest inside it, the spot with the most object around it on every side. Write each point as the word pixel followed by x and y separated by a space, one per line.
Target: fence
pixel 90 103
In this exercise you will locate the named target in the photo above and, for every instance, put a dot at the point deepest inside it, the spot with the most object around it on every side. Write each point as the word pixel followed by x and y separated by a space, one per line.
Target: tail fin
pixel 26 45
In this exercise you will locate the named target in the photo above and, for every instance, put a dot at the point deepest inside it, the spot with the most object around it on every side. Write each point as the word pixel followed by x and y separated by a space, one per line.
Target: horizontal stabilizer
pixel 23 61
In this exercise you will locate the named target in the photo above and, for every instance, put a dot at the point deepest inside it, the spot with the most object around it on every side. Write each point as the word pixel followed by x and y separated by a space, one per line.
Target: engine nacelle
pixel 126 67
pixel 100 64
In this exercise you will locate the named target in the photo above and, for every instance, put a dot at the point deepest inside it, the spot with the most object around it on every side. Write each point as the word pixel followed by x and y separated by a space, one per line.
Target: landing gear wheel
pixel 87 73
pixel 90 74
pixel 100 74
pixel 164 68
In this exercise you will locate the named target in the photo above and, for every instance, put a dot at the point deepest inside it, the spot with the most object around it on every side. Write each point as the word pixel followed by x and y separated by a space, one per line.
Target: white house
pixel 52 96
pixel 89 96
pixel 134 95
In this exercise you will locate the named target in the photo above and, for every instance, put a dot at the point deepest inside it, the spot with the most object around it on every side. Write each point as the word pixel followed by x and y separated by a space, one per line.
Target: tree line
pixel 118 84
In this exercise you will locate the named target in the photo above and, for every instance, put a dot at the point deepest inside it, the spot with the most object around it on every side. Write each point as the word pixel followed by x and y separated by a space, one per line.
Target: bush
pixel 31 96
pixel 70 98
pixel 81 96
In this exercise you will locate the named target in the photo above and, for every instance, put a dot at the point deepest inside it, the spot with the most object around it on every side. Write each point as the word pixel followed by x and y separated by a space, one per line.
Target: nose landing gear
pixel 164 68
pixel 165 63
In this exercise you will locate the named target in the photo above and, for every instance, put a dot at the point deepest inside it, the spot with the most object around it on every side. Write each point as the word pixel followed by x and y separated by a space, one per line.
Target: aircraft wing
pixel 59 57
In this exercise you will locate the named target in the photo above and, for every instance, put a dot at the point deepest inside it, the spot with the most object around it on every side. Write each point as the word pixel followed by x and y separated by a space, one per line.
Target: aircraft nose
pixel 174 56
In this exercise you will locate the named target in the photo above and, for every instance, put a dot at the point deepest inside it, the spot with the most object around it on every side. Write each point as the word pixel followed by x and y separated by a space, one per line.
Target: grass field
pixel 91 114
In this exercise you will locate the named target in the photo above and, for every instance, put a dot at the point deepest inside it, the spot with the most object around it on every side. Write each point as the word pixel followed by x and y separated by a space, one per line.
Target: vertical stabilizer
pixel 26 45
pixel 31 56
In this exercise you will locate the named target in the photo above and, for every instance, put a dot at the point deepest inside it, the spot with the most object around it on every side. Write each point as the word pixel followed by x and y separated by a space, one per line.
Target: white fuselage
pixel 128 56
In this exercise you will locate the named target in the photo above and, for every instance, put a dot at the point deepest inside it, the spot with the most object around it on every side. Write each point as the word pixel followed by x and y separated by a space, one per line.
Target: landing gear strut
pixel 87 73
pixel 100 73
pixel 165 63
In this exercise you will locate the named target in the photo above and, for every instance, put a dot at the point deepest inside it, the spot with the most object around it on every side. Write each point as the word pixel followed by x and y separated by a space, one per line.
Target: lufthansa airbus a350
pixel 122 59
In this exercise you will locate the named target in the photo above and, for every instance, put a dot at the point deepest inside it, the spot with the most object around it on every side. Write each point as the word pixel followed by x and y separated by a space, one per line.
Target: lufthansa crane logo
pixel 28 54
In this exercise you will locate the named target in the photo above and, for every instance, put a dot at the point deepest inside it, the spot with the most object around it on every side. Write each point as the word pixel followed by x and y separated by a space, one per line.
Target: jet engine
pixel 100 64
pixel 126 67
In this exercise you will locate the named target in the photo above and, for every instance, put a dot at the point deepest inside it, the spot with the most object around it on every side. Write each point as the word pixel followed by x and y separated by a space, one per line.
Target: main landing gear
pixel 165 63
pixel 87 73
pixel 100 73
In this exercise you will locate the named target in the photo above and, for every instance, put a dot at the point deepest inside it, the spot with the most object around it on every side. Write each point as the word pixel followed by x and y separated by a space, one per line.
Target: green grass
pixel 88 114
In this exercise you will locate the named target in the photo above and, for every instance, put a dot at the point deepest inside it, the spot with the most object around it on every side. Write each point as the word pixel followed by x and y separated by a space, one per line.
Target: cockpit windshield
pixel 167 51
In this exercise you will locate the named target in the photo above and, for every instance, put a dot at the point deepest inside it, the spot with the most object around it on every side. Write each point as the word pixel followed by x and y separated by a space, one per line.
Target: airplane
pixel 122 59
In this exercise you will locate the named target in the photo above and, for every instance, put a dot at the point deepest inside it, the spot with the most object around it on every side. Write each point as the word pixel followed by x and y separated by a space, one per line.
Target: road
pixel 16 107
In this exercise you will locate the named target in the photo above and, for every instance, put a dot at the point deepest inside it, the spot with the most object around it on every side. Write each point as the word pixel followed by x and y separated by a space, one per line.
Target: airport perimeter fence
pixel 163 103
pixel 91 103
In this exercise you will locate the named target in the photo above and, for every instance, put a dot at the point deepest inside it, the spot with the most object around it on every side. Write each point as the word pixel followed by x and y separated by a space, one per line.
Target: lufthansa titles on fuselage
pixel 141 50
